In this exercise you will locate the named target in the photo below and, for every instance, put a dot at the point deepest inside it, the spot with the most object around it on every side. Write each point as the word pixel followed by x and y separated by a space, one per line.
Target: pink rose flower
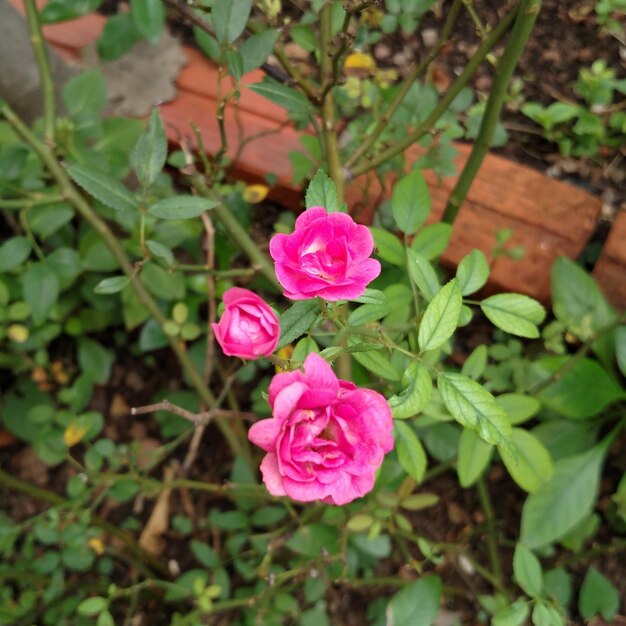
pixel 326 438
pixel 248 328
pixel 327 255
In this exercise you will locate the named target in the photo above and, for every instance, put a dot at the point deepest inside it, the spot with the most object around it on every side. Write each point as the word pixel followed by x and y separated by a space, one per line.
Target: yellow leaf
pixel 74 434
pixel 95 543
pixel 255 193
pixel 284 353
pixel 359 63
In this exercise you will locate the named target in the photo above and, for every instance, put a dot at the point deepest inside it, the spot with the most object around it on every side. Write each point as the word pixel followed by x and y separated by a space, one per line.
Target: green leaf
pixel 13 252
pixel 374 361
pixel 410 202
pixel 474 407
pixel 94 359
pixel 422 274
pixel 441 317
pixel 61 10
pixel 161 283
pixel 598 596
pixel 234 62
pixel 92 606
pixel 255 50
pixel 388 246
pixel 290 99
pixel 311 540
pixel 579 304
pixel 367 313
pixel 229 18
pixel 40 288
pixel 410 452
pixel 472 272
pixel 85 95
pixel 514 313
pixel 432 240
pixel 475 363
pixel 579 391
pixel 102 187
pixel 620 349
pixel 322 192
pixel 111 285
pixel 149 16
pixel 518 407
pixel 148 157
pixel 417 604
pixel 527 571
pixel 527 460
pixel 296 320
pixel 119 35
pixel 181 207
pixel 371 296
pixel 160 251
pixel 514 614
pixel 46 220
pixel 473 457
pixel 564 500
pixel 418 389
pixel 207 44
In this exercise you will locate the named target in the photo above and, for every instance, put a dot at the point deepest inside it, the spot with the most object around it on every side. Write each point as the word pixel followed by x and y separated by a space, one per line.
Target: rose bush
pixel 248 328
pixel 326 438
pixel 327 255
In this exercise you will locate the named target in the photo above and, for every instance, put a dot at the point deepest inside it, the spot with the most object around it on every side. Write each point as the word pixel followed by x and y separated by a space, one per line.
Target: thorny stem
pixel 84 209
pixel 524 22
pixel 45 73
pixel 469 7
pixel 491 537
pixel 413 137
pixel 413 75
pixel 15 484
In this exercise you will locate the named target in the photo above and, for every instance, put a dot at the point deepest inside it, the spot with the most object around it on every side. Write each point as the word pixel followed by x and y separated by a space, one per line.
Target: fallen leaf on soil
pixel 150 539
pixel 119 407
pixel 6 439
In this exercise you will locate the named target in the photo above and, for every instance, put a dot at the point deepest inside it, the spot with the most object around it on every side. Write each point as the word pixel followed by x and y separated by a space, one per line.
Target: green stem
pixel 45 73
pixel 492 540
pixel 422 129
pixel 76 199
pixel 329 131
pixel 524 22
pixel 15 484
pixel 383 121
pixel 29 203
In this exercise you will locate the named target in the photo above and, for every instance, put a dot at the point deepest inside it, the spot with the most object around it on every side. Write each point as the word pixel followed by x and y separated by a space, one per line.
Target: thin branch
pixel 425 127
pixel 29 203
pixel 371 139
pixel 45 73
pixel 200 419
pixel 524 22
pixel 491 535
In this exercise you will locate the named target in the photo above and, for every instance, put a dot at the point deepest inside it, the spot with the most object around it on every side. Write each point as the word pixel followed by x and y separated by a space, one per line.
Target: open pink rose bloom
pixel 326 438
pixel 248 328
pixel 327 255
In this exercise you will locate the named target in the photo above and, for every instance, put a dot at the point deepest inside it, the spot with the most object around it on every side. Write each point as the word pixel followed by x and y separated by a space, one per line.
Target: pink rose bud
pixel 327 255
pixel 248 328
pixel 326 438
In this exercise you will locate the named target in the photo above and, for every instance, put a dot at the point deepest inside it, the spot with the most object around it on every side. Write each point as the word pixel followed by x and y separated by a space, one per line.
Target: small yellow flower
pixel 359 64
pixel 255 193
pixel 96 544
pixel 74 434
pixel 17 333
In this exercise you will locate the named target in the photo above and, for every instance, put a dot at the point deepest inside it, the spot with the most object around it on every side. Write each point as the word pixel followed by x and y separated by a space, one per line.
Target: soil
pixel 565 38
